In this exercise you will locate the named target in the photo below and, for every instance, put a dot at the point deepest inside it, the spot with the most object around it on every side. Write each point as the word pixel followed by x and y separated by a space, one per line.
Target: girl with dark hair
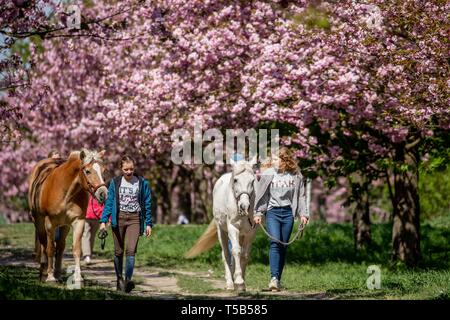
pixel 129 206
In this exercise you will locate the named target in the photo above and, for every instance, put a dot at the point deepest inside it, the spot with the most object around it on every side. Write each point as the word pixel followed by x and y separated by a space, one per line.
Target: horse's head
pixel 243 177
pixel 91 174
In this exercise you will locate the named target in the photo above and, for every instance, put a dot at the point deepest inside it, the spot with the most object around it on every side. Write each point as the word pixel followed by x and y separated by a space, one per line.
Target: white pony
pixel 233 203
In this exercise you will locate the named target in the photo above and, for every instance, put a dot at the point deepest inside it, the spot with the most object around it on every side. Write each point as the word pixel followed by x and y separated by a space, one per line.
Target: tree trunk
pixel 193 196
pixel 199 183
pixel 361 214
pixel 406 224
pixel 180 197
pixel 160 196
pixel 319 201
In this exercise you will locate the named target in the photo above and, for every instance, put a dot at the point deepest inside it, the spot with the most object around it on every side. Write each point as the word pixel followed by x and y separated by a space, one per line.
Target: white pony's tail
pixel 206 241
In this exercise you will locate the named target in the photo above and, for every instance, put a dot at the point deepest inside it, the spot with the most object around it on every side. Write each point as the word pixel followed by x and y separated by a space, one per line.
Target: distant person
pixel 54 155
pixel 237 157
pixel 182 219
pixel 91 226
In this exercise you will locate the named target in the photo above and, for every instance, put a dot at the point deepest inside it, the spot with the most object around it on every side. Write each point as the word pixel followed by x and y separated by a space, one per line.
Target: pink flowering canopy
pixel 349 81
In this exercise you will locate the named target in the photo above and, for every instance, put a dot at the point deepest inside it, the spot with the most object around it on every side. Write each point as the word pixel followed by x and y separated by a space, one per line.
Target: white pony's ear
pixel 101 153
pixel 232 162
pixel 253 161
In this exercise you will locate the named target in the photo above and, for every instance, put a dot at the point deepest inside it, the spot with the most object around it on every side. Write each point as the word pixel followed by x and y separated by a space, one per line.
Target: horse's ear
pixel 101 153
pixel 82 155
pixel 232 162
pixel 253 161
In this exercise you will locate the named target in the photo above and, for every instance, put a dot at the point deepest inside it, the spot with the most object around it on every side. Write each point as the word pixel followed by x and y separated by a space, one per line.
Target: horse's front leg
pixel 236 251
pixel 78 227
pixel 245 255
pixel 50 250
pixel 226 257
pixel 60 246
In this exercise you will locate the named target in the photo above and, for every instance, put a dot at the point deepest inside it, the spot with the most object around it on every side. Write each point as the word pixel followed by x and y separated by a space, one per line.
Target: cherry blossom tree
pixel 361 89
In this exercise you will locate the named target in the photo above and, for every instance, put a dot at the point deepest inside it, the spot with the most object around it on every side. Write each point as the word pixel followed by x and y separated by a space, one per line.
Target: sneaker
pixel 274 284
pixel 87 260
pixel 129 285
pixel 120 284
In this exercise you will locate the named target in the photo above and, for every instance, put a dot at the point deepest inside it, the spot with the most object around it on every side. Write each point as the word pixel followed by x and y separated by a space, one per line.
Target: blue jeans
pixel 279 222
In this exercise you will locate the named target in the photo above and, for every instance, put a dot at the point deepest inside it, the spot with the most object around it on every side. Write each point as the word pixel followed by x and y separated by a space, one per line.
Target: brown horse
pixel 58 197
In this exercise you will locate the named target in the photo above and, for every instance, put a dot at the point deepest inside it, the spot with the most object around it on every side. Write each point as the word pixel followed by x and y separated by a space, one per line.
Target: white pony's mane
pixel 242 166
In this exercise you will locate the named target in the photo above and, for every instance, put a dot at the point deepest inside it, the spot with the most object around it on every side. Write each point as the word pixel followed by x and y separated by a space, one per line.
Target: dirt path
pixel 157 282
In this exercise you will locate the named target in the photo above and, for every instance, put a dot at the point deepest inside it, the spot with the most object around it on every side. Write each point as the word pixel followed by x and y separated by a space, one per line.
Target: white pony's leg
pixel 226 257
pixel 245 255
pixel 236 250
pixel 78 227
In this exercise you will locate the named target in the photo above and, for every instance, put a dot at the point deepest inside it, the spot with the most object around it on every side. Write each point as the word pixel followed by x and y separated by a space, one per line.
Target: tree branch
pixel 411 145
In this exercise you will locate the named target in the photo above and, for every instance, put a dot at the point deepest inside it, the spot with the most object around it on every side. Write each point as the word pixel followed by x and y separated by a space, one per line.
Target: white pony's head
pixel 242 179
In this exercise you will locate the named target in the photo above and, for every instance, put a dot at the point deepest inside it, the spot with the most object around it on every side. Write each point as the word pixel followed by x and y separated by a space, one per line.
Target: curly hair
pixel 266 164
pixel 287 161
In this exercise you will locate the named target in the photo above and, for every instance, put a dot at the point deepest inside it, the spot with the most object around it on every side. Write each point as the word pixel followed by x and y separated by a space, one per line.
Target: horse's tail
pixel 37 247
pixel 206 241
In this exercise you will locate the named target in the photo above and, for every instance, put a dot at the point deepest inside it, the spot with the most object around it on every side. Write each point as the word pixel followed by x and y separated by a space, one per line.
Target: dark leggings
pixel 127 231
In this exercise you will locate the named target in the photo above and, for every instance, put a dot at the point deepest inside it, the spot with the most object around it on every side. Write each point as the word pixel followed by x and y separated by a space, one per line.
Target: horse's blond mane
pixel 74 154
pixel 89 155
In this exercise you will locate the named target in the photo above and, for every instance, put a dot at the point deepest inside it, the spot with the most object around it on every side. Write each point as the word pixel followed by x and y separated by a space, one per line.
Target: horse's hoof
pixel 240 287
pixel 51 279
pixel 80 280
pixel 230 287
pixel 59 278
pixel 75 285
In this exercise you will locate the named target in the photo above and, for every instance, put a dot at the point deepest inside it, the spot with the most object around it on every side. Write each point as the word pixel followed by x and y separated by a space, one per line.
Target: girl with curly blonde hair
pixel 280 196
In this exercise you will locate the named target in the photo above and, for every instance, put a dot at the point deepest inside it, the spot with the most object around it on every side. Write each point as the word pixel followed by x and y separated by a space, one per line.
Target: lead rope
pixel 300 229
pixel 102 233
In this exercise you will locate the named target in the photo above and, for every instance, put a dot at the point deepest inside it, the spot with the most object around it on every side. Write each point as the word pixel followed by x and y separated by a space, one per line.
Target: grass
pixel 21 283
pixel 323 261
pixel 194 285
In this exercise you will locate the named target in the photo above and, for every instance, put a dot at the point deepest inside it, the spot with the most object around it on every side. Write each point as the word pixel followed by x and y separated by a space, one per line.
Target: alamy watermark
pixel 208 147
pixel 374 17
pixel 70 282
pixel 73 20
pixel 374 280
